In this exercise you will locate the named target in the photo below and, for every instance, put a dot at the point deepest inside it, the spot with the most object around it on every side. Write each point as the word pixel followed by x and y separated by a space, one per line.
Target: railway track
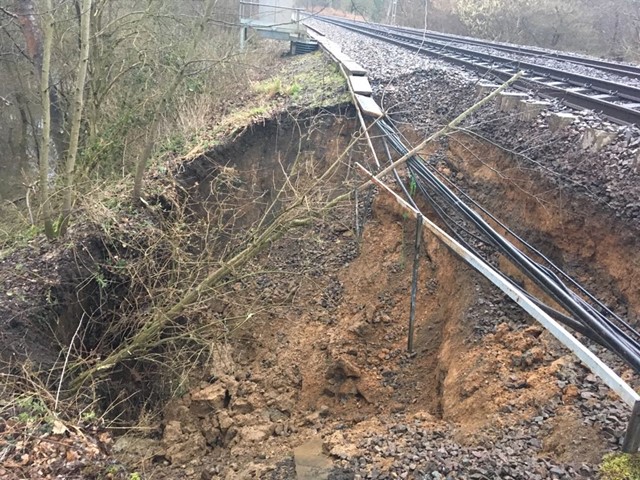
pixel 614 68
pixel 618 102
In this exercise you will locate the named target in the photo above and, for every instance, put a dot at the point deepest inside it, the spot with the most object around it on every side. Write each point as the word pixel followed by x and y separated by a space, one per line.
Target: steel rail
pixel 615 68
pixel 573 97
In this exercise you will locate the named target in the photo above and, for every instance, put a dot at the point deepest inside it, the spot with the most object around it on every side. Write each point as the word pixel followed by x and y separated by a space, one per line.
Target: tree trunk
pixel 28 19
pixel 76 118
pixel 47 44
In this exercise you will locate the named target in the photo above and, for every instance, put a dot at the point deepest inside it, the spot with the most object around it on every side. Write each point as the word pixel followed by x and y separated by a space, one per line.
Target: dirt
pixel 333 362
pixel 44 288
pixel 576 235
pixel 319 353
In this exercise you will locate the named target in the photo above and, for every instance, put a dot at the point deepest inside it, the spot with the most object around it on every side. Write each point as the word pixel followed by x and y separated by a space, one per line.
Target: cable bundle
pixel 593 320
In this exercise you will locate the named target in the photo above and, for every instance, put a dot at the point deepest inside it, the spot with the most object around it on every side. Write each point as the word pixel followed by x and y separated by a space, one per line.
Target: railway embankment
pixel 290 359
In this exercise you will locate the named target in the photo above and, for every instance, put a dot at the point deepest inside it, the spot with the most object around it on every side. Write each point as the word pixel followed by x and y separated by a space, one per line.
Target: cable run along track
pixel 617 101
pixel 471 236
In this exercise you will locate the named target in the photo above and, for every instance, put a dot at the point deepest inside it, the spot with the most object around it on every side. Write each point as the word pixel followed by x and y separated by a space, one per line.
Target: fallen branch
pixel 159 321
pixel 295 215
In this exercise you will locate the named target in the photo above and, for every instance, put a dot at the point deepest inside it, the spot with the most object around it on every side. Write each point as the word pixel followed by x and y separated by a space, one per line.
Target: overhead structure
pixel 278 20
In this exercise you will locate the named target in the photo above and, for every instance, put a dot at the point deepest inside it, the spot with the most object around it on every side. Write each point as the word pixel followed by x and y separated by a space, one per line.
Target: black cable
pixel 567 321
pixel 558 291
pixel 621 343
pixel 544 257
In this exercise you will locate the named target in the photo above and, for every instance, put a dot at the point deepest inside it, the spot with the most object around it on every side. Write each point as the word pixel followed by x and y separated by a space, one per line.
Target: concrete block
pixel 595 140
pixel 558 121
pixel 333 48
pixel 369 106
pixel 354 68
pixel 510 101
pixel 484 89
pixel 360 85
pixel 530 109
pixel 342 57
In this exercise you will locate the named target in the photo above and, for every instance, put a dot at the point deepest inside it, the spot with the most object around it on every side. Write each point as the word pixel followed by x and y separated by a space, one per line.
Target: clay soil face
pixel 327 358
pixel 333 363
pixel 320 350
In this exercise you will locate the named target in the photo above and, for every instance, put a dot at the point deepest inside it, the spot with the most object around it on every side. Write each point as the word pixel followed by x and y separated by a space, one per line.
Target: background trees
pixel 124 73
pixel 93 88
pixel 600 28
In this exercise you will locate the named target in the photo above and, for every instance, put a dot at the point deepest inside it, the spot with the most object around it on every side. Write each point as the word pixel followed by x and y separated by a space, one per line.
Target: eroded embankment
pixel 581 237
pixel 487 391
pixel 311 333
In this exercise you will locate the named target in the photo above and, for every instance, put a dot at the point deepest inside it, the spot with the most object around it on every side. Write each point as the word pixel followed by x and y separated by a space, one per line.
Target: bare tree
pixel 76 118
pixel 45 200
pixel 197 34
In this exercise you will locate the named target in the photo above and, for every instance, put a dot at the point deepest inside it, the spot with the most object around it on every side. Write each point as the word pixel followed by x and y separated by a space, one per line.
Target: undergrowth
pixel 161 296
pixel 620 466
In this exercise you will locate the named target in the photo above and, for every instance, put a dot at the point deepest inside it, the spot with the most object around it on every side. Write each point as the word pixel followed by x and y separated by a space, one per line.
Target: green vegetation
pixel 305 82
pixel 31 409
pixel 620 466
pixel 271 87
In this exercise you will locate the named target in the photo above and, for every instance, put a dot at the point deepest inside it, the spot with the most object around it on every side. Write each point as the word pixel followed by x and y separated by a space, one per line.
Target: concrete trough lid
pixel 369 106
pixel 318 37
pixel 341 58
pixel 333 48
pixel 354 68
pixel 360 85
